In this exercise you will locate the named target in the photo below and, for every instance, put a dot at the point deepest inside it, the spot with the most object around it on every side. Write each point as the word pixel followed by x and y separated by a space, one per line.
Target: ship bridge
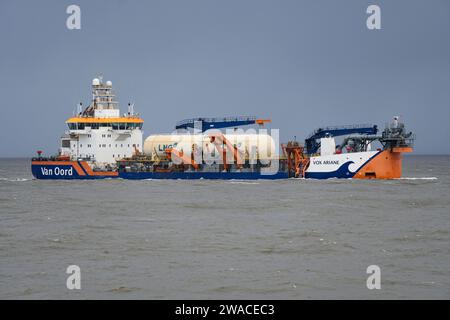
pixel 99 132
pixel 116 123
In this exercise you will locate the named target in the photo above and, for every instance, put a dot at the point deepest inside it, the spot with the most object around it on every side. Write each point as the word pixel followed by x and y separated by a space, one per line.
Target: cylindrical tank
pixel 261 144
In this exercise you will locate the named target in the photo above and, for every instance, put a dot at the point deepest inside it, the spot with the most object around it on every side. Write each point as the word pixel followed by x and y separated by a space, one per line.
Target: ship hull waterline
pixel 385 164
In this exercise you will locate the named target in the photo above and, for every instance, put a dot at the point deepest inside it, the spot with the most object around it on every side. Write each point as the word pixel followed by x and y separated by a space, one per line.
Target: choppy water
pixel 226 239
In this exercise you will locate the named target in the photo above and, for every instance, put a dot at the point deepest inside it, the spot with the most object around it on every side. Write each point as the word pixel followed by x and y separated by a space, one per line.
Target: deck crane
pixel 204 124
pixel 218 138
pixel 312 142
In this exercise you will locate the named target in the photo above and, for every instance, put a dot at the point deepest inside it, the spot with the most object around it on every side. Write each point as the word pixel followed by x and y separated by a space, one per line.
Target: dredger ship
pixel 101 143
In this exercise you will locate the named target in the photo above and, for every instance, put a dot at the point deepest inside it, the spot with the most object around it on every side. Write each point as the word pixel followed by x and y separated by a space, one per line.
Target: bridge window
pixel 65 143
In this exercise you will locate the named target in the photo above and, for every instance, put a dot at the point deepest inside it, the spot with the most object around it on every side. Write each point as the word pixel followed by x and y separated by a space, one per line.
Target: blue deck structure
pixel 312 143
pixel 218 123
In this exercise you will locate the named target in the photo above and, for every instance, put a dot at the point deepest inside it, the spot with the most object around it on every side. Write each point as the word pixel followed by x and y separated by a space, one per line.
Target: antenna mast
pixel 131 109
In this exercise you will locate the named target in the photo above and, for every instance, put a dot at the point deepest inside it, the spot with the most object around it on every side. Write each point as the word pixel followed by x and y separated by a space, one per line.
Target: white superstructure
pixel 99 133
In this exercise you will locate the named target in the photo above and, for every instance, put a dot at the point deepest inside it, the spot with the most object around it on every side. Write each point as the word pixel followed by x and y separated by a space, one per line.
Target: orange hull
pixel 386 165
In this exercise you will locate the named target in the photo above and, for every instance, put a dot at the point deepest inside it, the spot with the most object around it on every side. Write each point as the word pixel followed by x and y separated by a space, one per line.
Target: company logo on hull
pixel 342 172
pixel 57 171
pixel 325 162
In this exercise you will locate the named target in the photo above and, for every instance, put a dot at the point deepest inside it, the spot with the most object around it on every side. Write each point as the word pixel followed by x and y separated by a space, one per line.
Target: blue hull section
pixel 68 172
pixel 202 175
pixel 343 172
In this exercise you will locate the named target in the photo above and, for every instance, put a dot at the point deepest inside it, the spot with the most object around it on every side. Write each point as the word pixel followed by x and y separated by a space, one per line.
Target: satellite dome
pixel 109 83
pixel 95 82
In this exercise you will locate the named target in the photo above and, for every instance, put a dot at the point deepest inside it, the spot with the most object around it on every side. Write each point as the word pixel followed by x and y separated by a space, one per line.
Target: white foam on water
pixel 14 179
pixel 417 178
pixel 242 182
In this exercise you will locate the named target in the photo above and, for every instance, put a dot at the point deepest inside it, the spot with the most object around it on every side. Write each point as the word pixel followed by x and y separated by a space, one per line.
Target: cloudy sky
pixel 303 64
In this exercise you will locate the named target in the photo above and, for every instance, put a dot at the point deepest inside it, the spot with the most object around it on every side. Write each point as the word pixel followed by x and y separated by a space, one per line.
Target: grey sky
pixel 303 64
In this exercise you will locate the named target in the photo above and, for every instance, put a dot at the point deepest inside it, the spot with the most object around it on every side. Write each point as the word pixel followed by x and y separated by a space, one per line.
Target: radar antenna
pixel 131 108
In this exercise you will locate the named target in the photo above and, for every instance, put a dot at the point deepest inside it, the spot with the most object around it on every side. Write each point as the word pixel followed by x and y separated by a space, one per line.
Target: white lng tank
pixel 261 144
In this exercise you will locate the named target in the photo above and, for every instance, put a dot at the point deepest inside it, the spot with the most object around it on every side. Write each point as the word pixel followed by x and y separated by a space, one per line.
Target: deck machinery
pixel 358 141
pixel 203 124
pixel 178 152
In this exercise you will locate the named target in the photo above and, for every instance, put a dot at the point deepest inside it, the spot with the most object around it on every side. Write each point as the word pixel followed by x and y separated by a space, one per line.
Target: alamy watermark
pixel 374 280
pixel 373 22
pixel 236 147
pixel 74 279
pixel 73 21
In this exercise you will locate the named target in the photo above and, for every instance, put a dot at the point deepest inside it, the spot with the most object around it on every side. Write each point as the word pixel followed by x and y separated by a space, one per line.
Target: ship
pixel 102 143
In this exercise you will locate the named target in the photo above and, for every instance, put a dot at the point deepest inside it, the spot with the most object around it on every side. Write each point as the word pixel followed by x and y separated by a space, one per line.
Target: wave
pixel 15 179
pixel 124 289
pixel 417 178
pixel 242 182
